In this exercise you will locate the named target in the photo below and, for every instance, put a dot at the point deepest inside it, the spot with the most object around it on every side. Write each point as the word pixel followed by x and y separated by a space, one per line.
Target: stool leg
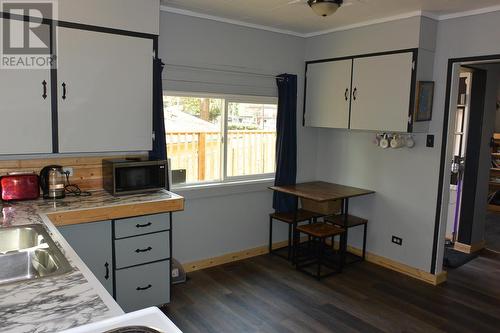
pixel 295 252
pixel 342 255
pixel 320 257
pixel 289 255
pixel 364 241
pixel 270 235
pixel 308 236
pixel 295 238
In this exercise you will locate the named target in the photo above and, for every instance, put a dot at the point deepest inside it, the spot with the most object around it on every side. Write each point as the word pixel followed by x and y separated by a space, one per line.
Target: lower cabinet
pixel 142 286
pixel 93 244
pixel 131 257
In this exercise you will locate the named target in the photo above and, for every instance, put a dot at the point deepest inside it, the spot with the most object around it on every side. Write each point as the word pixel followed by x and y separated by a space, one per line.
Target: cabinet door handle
pixel 64 90
pixel 44 84
pixel 149 248
pixel 355 93
pixel 143 225
pixel 107 271
pixel 144 288
pixel 346 94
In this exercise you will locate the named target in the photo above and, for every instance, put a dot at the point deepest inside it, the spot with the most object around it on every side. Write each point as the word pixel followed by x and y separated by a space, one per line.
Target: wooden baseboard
pixel 434 279
pixel 494 208
pixel 413 272
pixel 230 257
pixel 466 248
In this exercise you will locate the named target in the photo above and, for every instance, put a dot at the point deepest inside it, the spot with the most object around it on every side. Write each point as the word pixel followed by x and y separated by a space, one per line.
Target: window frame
pixel 227 98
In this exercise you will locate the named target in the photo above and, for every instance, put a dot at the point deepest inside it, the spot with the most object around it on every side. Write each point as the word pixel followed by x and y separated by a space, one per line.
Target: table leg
pixel 343 238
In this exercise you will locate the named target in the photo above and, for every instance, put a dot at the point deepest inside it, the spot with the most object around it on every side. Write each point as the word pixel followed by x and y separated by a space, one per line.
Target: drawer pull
pixel 149 248
pixel 143 225
pixel 144 288
pixel 107 271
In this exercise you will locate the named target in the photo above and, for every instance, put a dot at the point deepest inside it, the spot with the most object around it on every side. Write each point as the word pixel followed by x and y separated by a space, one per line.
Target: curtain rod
pixel 222 70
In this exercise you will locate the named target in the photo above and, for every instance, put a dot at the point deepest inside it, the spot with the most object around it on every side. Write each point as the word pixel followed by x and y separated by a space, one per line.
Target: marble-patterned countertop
pixel 60 302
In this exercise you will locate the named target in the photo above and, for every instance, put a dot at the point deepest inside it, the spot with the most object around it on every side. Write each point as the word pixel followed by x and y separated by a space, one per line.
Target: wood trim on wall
pixel 465 248
pixel 434 279
pixel 87 170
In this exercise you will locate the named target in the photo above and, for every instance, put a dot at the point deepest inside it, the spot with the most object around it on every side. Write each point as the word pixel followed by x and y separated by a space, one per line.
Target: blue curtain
pixel 159 151
pixel 286 141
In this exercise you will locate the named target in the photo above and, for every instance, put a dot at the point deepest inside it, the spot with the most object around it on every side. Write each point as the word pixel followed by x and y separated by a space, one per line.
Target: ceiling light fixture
pixel 324 7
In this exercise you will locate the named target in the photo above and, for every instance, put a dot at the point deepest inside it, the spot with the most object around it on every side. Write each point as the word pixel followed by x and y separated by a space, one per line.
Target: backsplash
pixel 87 171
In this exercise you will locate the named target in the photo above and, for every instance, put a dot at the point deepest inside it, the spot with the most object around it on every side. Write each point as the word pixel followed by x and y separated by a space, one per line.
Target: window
pixel 217 138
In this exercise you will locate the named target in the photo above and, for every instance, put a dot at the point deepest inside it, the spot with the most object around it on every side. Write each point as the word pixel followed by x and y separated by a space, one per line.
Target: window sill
pixel 200 191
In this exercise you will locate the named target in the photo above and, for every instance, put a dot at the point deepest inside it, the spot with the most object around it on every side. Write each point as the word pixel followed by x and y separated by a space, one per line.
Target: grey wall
pixel 461 37
pixel 208 56
pixel 203 55
pixel 404 179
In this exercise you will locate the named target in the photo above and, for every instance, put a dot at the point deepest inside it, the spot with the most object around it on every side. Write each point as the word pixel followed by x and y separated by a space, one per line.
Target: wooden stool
pixel 352 221
pixel 319 232
pixel 300 215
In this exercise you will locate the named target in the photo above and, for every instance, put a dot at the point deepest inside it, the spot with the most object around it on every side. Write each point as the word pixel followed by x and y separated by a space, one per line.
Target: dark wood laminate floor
pixel 264 294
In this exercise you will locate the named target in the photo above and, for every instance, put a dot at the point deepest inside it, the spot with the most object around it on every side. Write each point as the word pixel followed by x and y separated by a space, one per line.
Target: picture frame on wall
pixel 424 100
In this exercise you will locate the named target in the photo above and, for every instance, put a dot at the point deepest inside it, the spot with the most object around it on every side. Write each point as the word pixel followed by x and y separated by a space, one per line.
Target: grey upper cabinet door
pixel 93 244
pixel 381 91
pixel 104 91
pixel 328 94
pixel 25 113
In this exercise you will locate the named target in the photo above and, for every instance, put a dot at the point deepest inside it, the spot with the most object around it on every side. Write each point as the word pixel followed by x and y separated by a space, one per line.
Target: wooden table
pixel 322 192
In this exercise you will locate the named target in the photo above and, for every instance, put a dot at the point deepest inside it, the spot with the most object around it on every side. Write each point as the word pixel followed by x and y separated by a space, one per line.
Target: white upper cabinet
pixel 381 91
pixel 134 15
pixel 25 112
pixel 328 94
pixel 361 93
pixel 104 92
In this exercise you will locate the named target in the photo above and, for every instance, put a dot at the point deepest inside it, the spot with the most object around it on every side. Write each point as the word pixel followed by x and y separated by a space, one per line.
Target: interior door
pixel 26 126
pixel 93 244
pixel 328 94
pixel 104 91
pixel 472 157
pixel 381 91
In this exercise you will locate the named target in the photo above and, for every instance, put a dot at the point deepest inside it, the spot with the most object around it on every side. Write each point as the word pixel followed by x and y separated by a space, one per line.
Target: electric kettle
pixel 52 182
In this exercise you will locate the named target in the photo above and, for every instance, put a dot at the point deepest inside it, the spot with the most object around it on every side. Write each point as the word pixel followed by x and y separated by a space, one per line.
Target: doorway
pixel 470 156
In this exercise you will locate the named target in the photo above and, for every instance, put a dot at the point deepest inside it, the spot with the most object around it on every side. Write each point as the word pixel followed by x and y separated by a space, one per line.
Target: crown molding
pixel 364 24
pixel 342 28
pixel 479 11
pixel 230 21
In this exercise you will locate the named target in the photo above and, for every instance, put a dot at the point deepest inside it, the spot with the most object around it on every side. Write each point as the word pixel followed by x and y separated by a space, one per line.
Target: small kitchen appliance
pixel 19 186
pixel 131 176
pixel 52 182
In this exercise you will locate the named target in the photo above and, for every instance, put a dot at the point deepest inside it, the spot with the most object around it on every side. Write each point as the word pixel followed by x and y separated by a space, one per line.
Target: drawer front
pixel 141 225
pixel 142 249
pixel 143 286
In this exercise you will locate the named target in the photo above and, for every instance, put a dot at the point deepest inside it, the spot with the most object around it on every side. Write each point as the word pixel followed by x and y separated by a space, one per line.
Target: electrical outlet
pixel 429 142
pixel 397 240
pixel 68 171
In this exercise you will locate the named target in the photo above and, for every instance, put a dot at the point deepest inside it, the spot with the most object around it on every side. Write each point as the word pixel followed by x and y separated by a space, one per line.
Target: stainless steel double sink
pixel 28 252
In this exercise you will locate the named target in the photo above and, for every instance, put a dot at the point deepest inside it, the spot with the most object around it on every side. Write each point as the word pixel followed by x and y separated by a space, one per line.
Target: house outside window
pixel 219 138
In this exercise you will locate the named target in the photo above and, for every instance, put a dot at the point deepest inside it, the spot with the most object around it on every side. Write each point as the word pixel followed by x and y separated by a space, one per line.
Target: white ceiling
pixel 295 16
